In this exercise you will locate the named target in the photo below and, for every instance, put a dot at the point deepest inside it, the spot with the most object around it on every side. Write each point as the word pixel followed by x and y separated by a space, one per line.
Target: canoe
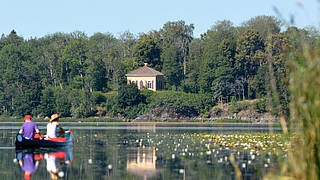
pixel 21 142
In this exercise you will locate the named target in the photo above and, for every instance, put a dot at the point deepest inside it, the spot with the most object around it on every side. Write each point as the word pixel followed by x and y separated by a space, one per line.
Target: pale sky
pixel 37 18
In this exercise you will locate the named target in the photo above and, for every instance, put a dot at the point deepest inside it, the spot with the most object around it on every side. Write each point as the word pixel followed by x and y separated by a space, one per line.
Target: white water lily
pixel 253 157
pixel 243 165
pixel 61 174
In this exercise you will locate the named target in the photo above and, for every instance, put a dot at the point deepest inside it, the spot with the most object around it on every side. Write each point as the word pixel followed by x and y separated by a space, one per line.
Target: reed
pixel 304 154
pixel 305 113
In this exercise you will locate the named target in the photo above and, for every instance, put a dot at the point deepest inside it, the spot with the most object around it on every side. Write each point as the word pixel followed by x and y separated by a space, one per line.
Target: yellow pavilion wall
pixel 144 80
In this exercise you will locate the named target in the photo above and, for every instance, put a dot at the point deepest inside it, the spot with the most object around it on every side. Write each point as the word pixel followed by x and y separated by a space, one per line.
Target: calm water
pixel 135 151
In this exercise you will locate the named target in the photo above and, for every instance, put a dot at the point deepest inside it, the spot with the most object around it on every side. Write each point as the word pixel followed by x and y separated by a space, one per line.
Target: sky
pixel 37 18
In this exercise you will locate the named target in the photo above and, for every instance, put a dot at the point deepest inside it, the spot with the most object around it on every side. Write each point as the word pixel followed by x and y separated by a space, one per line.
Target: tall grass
pixel 304 160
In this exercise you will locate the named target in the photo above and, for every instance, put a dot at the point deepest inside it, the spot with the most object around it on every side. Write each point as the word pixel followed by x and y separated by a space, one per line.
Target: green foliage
pixel 147 50
pixel 62 102
pixel 81 103
pixel 129 100
pixel 260 105
pixel 250 48
pixel 265 25
pixel 47 102
pixel 237 106
pixel 216 110
pixel 128 95
pixel 98 97
pixel 250 55
pixel 186 104
pixel 189 87
pixel 304 159
pixel 68 72
pixel 171 66
pixel 147 95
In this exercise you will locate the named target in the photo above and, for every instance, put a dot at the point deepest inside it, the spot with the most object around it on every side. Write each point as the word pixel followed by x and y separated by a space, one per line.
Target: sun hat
pixel 54 117
pixel 27 117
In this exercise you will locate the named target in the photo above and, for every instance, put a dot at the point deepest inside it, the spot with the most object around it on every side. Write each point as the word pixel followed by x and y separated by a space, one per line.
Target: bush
pixel 206 115
pixel 216 111
pixel 237 106
pixel 98 97
pixel 128 95
pixel 260 106
pixel 186 104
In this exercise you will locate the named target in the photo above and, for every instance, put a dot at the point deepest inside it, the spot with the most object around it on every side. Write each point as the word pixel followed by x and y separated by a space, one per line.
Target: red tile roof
pixel 144 71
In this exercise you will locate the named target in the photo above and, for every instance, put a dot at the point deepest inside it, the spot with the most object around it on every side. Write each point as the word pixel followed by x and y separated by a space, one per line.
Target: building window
pixel 149 84
pixel 141 84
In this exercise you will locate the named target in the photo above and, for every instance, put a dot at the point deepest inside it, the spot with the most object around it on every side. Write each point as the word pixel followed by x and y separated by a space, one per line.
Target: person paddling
pixel 53 126
pixel 28 128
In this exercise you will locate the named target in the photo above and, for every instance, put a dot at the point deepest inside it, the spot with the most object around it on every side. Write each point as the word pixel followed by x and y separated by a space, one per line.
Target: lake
pixel 147 151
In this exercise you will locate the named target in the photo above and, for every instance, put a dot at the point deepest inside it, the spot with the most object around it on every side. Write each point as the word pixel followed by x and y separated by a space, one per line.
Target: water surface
pixel 137 151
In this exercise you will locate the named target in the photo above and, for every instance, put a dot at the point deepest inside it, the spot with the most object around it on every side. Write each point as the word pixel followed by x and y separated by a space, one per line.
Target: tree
pixel 171 67
pixel 104 42
pixel 218 57
pixel 277 47
pixel 47 102
pixel 128 95
pixel 180 35
pixel 12 38
pixel 195 58
pixel 50 50
pixel 96 79
pixel 249 56
pixel 74 63
pixel 264 25
pixel 62 102
pixel 127 41
pixel 147 50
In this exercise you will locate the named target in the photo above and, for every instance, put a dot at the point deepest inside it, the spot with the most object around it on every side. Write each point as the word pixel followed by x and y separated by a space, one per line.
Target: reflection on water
pixel 141 151
pixel 56 161
pixel 29 164
pixel 141 161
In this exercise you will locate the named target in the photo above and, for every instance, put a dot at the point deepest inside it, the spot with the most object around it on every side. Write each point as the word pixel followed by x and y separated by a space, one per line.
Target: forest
pixel 80 76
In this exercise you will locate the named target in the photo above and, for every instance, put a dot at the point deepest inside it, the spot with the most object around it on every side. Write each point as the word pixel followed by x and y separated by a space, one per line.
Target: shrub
pixel 186 104
pixel 260 106
pixel 98 97
pixel 216 111
pixel 237 106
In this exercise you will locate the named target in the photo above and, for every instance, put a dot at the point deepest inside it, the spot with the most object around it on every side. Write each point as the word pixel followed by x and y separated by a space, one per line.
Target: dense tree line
pixel 73 74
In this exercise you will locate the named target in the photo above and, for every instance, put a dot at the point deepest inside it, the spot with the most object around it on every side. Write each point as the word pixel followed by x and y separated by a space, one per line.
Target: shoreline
pixel 113 120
